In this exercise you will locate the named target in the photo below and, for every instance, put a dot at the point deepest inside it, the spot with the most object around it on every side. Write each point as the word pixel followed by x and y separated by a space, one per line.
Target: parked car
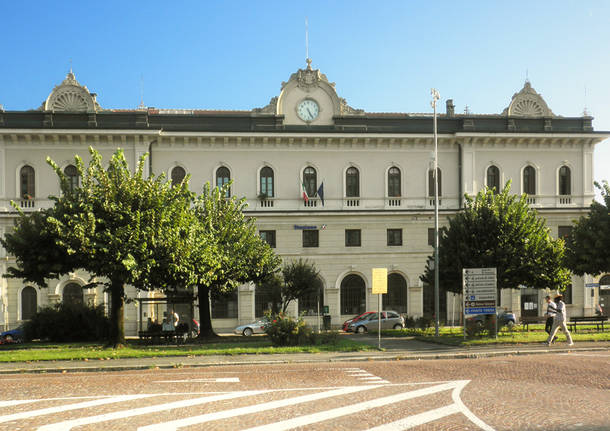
pixel 479 321
pixel 12 336
pixel 389 320
pixel 248 329
pixel 354 319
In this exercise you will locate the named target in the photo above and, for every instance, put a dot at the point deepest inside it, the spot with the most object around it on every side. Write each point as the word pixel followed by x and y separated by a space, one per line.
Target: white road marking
pixel 196 420
pixel 76 406
pixel 204 380
pixel 354 408
pixel 419 419
pixel 439 413
pixel 68 425
pixel 364 375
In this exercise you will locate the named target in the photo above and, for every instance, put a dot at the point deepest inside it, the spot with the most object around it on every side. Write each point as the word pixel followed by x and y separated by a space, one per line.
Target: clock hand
pixel 310 114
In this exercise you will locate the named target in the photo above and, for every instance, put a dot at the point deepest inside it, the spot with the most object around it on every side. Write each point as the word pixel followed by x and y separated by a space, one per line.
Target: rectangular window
pixel 268 236
pixel 310 238
pixel 431 237
pixel 352 237
pixel 394 236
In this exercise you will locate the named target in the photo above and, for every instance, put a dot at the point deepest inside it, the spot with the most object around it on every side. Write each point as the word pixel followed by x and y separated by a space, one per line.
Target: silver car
pixel 248 329
pixel 370 322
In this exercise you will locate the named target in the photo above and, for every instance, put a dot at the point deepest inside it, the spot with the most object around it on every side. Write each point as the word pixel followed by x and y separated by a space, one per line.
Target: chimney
pixel 450 108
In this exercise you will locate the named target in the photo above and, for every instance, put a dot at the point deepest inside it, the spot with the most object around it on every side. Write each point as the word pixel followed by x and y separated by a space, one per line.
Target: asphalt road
pixel 547 391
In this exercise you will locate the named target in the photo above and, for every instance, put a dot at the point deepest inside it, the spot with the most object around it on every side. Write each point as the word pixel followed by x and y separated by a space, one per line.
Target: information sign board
pixel 380 280
pixel 479 290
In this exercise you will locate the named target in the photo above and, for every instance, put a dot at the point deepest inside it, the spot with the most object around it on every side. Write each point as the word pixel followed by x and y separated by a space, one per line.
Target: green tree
pixel 118 226
pixel 301 279
pixel 501 231
pixel 298 279
pixel 587 248
pixel 241 256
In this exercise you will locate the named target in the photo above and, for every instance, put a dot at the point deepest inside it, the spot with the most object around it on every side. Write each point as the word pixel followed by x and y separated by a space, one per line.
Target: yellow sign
pixel 380 280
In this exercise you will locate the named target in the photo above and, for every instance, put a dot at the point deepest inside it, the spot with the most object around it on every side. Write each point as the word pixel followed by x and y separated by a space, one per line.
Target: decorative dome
pixel 528 103
pixel 70 96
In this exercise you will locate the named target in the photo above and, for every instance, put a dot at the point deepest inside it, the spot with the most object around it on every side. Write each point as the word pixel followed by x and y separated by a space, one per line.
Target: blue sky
pixel 383 56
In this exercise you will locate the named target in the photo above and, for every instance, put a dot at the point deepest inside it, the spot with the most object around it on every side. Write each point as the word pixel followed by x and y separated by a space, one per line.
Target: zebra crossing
pixel 200 409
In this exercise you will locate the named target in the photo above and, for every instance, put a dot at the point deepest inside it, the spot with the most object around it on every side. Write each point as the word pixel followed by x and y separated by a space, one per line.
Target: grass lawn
pixel 454 336
pixel 38 351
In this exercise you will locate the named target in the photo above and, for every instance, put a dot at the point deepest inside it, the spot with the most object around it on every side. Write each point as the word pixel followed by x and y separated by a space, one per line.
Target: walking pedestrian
pixel 559 322
pixel 551 311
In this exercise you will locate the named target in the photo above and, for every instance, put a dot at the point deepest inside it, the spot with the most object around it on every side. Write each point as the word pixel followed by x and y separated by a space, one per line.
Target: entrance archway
pixel 353 295
pixel 396 298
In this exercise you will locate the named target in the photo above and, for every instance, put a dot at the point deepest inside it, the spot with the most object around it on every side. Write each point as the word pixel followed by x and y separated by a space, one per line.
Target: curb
pixel 149 365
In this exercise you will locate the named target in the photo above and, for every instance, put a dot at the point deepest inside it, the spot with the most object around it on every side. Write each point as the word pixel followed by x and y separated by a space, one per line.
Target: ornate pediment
pixel 308 78
pixel 70 96
pixel 528 103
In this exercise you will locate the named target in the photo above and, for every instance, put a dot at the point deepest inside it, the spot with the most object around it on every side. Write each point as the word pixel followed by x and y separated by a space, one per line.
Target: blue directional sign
pixel 479 290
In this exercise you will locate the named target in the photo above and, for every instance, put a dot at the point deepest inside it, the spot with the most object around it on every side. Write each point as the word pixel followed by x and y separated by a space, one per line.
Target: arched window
pixel 529 180
pixel 308 304
pixel 263 300
pixel 431 182
pixel 224 306
pixel 73 294
pixel 310 180
pixel 353 295
pixel 72 175
pixel 352 182
pixel 565 181
pixel 29 303
pixel 493 178
pixel 223 176
pixel 28 178
pixel 266 178
pixel 393 182
pixel 396 298
pixel 178 174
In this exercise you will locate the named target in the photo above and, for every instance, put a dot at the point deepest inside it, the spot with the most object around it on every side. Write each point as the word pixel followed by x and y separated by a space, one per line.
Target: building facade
pixel 347 189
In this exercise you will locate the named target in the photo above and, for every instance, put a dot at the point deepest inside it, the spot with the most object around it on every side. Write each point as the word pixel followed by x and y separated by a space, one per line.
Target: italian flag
pixel 304 193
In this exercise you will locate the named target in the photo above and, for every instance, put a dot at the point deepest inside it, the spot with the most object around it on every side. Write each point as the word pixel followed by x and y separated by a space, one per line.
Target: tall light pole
pixel 435 97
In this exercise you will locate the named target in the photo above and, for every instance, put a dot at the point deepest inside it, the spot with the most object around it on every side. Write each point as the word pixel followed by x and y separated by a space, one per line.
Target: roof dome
pixel 528 103
pixel 70 96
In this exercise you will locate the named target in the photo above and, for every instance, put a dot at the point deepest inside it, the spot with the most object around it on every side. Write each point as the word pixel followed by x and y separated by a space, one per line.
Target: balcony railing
pixel 351 202
pixel 266 203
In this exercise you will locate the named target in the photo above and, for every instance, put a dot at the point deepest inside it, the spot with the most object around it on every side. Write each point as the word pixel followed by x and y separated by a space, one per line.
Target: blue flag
pixel 321 193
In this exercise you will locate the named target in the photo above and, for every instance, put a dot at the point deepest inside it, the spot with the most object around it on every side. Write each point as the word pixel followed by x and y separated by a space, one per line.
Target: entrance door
pixel 529 302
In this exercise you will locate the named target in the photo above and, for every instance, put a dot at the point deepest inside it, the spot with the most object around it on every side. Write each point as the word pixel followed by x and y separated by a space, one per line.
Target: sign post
pixel 380 286
pixel 479 289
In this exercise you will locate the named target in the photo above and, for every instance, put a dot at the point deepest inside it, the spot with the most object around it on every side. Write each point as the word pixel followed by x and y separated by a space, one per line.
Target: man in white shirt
pixel 560 322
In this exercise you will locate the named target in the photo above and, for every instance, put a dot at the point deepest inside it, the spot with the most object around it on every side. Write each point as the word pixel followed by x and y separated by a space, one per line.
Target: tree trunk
pixel 117 322
pixel 205 318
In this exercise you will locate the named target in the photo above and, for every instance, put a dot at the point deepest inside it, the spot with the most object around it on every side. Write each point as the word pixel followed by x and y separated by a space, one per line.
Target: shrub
pixel 284 330
pixel 69 322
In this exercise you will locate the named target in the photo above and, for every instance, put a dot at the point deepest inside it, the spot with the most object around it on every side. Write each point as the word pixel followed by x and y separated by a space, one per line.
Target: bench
pixel 155 337
pixel 527 320
pixel 598 321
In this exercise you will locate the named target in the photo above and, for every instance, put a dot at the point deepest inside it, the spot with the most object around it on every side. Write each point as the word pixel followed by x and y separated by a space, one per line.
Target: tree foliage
pixel 501 231
pixel 587 248
pixel 299 279
pixel 241 256
pixel 117 225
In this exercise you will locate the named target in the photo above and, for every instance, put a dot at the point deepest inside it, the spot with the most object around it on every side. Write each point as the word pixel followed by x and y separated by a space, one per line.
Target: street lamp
pixel 435 97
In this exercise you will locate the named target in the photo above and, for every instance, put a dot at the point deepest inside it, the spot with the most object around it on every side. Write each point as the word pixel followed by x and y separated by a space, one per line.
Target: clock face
pixel 308 110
